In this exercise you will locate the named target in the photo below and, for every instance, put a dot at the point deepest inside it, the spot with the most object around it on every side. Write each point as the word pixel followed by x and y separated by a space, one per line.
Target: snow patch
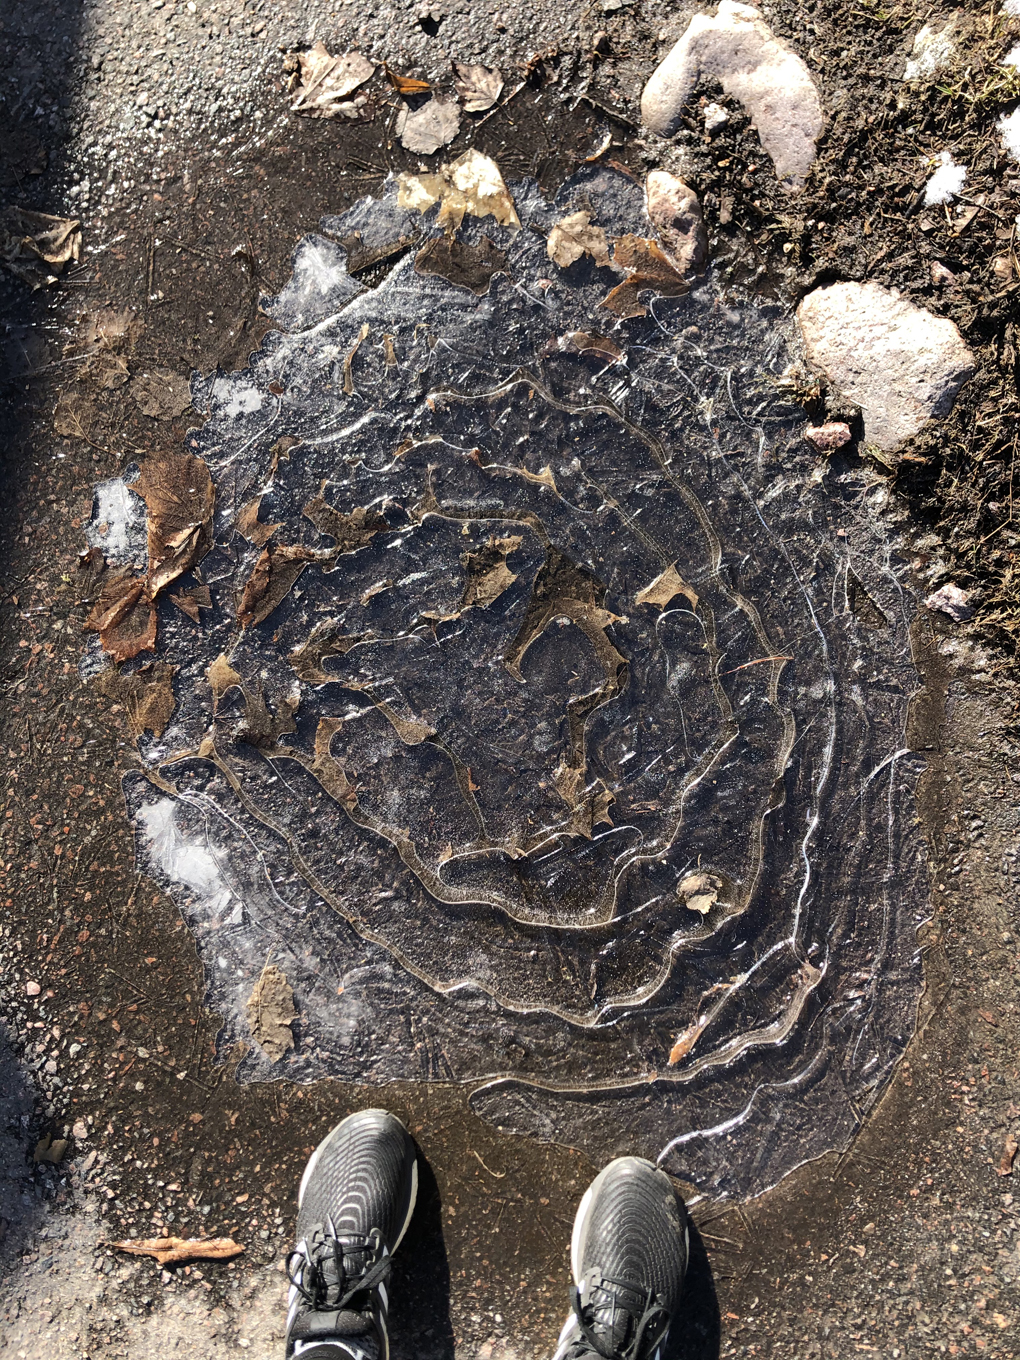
pixel 947 181
pixel 1009 130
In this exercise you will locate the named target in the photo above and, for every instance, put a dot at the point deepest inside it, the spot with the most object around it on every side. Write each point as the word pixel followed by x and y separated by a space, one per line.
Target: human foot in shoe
pixel 628 1255
pixel 355 1201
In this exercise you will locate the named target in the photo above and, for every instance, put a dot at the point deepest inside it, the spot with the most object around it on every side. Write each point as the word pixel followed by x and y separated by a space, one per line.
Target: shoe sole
pixel 314 1158
pixel 581 1217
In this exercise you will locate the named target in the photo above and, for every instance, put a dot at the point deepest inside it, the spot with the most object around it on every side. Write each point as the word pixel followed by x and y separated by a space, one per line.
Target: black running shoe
pixel 628 1255
pixel 355 1202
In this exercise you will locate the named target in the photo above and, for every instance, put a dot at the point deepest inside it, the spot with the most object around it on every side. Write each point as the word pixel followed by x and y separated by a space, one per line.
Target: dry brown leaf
pixel 108 328
pixel 700 892
pixel 575 236
pixel 147 695
pixel 72 416
pixel 686 1041
pixel 271 1013
pixel 405 84
pixel 221 676
pixel 487 572
pixel 179 497
pixel 460 263
pixel 1005 1167
pixel 123 615
pixel 472 184
pixel 666 586
pixel 50 1149
pixel 651 270
pixel 251 527
pixel 191 601
pixel 321 83
pixel 261 726
pixel 161 393
pixel 271 580
pixel 478 87
pixel 168 1250
pixel 430 126
pixel 325 639
pixel 36 246
pixel 352 531
pixel 108 371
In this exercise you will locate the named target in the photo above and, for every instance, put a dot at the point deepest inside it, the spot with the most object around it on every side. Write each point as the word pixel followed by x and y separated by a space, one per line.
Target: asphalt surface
pixel 906 1246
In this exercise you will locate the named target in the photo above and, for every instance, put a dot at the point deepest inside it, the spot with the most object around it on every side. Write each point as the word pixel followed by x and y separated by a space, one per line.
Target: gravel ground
pixel 162 126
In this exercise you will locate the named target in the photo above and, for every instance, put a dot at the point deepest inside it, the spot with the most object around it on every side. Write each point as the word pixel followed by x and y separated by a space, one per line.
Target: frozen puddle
pixel 545 724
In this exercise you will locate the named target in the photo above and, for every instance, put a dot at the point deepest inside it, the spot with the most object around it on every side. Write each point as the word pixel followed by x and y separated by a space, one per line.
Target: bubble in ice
pixel 540 709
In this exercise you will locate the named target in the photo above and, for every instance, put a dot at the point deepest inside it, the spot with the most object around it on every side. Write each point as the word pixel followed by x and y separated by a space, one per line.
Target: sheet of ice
pixel 573 622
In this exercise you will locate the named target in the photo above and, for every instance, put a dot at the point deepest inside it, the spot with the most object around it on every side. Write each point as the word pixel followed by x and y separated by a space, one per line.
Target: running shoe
pixel 355 1201
pixel 628 1256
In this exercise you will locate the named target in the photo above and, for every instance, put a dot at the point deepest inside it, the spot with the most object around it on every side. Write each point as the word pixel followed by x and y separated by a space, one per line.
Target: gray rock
pixel 899 363
pixel 675 213
pixel 739 51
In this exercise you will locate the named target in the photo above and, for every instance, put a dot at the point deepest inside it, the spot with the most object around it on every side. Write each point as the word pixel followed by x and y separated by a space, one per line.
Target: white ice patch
pixel 947 181
pixel 1012 57
pixel 117 527
pixel 244 401
pixel 1009 130
pixel 188 862
pixel 1011 8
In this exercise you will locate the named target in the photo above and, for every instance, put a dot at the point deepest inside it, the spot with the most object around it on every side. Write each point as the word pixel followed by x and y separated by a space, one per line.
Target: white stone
pixel 739 51
pixel 951 600
pixel 675 213
pixel 715 117
pixel 897 362
pixel 932 52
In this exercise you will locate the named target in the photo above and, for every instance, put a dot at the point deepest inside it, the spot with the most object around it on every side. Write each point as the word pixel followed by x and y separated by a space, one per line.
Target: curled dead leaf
pixel 575 236
pixel 123 614
pixel 147 695
pixel 461 263
pixel 36 246
pixel 168 1250
pixel 649 270
pixel 321 84
pixel 179 497
pixel 271 580
pixel 405 84
pixel 470 185
pixel 478 87
pixel 700 892
pixel 191 601
pixel 686 1040
pixel 221 676
pixel 271 1013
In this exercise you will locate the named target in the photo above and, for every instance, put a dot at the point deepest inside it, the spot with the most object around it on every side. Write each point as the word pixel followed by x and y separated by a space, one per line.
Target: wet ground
pixel 904 1246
